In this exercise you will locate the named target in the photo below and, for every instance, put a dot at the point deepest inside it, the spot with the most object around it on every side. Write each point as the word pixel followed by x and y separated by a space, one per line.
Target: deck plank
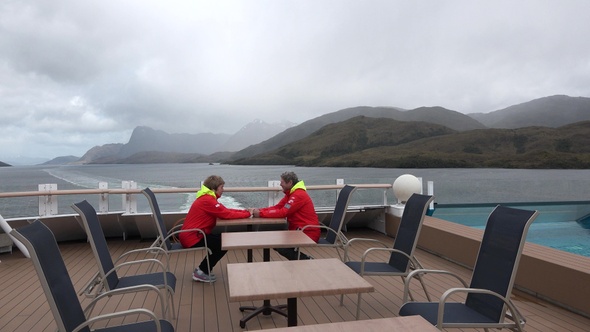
pixel 204 307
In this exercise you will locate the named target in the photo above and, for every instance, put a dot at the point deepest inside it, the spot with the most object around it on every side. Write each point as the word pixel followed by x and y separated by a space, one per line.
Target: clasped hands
pixel 254 212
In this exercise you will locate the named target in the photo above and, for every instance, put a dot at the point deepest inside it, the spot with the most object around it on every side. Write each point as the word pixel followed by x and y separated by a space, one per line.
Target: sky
pixel 77 74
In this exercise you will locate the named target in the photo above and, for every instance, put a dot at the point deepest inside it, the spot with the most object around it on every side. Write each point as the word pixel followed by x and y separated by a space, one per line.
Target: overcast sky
pixel 76 74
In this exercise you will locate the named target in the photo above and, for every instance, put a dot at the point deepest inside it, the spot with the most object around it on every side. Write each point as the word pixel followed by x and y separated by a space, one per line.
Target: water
pixel 557 225
pixel 451 186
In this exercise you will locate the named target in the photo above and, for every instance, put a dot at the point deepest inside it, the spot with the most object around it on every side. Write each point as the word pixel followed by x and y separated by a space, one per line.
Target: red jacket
pixel 298 208
pixel 203 214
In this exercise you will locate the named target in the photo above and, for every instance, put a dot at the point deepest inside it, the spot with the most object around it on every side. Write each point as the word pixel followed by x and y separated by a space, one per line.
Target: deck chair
pixel 488 296
pixel 107 277
pixel 59 290
pixel 401 260
pixel 164 237
pixel 334 237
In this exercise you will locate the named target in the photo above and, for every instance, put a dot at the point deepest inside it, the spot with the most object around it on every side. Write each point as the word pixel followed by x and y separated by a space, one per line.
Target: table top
pixel 265 239
pixel 250 221
pixel 393 324
pixel 292 279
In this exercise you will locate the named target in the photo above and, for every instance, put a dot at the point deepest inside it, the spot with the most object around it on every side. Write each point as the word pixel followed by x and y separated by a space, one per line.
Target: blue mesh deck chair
pixel 401 260
pixel 107 275
pixel 487 298
pixel 164 235
pixel 334 237
pixel 61 296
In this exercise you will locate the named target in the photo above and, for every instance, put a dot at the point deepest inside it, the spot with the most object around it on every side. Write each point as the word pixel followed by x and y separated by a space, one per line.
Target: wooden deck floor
pixel 204 307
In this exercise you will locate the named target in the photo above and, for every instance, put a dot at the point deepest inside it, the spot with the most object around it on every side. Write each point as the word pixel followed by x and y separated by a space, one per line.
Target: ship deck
pixel 205 307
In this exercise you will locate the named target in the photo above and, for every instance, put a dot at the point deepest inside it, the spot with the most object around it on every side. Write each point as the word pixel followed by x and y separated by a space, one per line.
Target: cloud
pixel 78 74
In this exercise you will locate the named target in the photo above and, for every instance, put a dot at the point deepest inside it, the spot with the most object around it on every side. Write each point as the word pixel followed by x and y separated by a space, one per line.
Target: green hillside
pixel 380 142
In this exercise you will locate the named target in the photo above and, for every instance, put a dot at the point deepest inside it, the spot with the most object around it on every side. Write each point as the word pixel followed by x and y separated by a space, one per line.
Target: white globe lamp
pixel 406 185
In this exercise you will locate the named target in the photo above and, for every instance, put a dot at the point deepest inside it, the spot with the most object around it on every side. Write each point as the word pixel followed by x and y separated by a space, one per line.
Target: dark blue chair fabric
pixel 157 214
pixel 98 241
pixel 338 215
pixel 494 270
pixel 405 239
pixel 58 286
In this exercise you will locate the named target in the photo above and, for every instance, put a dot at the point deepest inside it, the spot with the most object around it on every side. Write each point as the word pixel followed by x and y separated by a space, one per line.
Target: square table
pixel 250 222
pixel 293 279
pixel 392 324
pixel 264 240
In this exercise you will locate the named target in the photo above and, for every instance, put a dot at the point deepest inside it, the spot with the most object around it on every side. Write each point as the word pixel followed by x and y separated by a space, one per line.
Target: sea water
pixel 451 186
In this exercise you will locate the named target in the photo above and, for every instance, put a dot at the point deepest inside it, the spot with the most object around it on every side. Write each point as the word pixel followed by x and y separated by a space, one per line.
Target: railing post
pixel 129 200
pixel 103 200
pixel 273 195
pixel 47 203
pixel 430 191
pixel 421 185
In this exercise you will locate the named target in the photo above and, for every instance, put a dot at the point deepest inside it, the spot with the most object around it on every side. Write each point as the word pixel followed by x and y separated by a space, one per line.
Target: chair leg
pixel 171 296
pixel 341 299
pixel 424 288
pixel 358 306
pixel 208 264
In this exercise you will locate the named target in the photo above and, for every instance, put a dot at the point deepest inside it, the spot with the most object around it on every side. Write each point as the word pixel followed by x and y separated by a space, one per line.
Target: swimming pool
pixel 560 225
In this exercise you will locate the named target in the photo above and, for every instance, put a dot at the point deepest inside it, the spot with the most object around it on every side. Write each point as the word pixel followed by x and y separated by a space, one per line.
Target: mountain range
pixel 379 142
pixel 259 142
pixel 550 112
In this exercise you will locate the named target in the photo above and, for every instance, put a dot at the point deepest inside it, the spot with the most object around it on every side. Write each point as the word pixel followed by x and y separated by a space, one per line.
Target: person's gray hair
pixel 290 177
pixel 213 182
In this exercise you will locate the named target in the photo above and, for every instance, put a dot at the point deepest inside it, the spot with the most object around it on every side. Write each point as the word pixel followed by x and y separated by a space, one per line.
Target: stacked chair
pixel 165 236
pixel 107 278
pixel 61 296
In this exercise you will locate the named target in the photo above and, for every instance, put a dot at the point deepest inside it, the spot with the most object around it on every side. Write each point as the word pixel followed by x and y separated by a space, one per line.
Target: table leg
pixel 249 229
pixel 267 308
pixel 292 311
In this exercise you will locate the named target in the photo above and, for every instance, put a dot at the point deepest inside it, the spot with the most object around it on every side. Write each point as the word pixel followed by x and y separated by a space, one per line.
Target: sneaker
pixel 211 274
pixel 199 275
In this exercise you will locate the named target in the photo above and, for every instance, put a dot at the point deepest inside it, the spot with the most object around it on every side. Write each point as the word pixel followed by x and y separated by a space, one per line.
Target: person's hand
pixel 255 213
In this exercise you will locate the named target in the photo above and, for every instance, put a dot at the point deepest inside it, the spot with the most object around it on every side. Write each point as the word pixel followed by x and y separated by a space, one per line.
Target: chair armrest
pixel 320 227
pixel 143 261
pixel 315 226
pixel 138 288
pixel 419 272
pixel 516 317
pixel 370 250
pixel 340 237
pixel 359 239
pixel 171 234
pixel 173 229
pixel 154 250
pixel 138 311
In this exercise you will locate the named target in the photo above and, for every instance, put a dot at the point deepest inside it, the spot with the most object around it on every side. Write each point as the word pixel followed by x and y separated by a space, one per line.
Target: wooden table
pixel 250 222
pixel 293 279
pixel 394 324
pixel 264 240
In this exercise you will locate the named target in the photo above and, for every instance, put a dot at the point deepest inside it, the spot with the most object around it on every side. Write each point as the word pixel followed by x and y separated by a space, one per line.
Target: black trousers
pixel 291 253
pixel 213 243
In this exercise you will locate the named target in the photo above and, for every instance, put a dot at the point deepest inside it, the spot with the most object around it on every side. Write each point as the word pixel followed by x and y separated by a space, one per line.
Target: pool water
pixel 563 226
